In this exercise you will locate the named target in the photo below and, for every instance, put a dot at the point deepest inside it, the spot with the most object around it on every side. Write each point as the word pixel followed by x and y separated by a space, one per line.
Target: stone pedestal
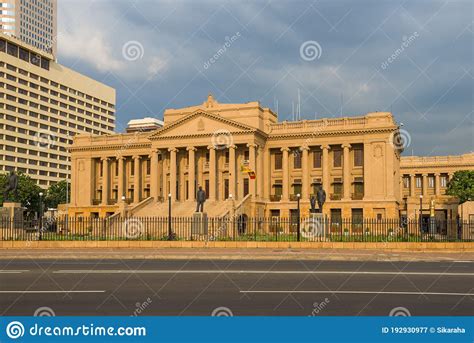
pixel 11 215
pixel 199 224
pixel 314 227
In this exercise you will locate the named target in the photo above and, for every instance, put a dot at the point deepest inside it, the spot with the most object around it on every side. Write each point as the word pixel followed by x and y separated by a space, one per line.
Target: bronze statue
pixel 321 199
pixel 201 198
pixel 312 201
pixel 11 186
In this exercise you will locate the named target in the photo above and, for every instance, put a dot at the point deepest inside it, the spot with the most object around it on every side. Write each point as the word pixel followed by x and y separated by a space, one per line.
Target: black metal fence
pixel 240 228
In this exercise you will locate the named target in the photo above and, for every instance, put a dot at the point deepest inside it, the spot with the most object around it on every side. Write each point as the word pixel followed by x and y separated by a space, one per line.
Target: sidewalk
pixel 234 254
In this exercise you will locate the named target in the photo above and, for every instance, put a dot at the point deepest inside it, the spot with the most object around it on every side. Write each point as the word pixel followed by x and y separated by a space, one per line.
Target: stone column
pixel 347 172
pixel 105 180
pixel 212 173
pixel 437 184
pixel 154 175
pixel 424 184
pixel 164 181
pixel 286 174
pixel 260 173
pixel 121 179
pixel 412 185
pixel 266 180
pixel 232 172
pixel 326 185
pixel 136 179
pixel 191 173
pixel 305 172
pixel 252 164
pixel 173 176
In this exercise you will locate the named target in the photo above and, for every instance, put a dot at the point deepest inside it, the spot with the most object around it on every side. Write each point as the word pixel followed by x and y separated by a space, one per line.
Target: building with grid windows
pixel 43 105
pixel 32 21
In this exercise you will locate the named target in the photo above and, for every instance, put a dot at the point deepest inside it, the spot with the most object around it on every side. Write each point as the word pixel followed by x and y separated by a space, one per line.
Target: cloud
pixel 90 47
pixel 428 86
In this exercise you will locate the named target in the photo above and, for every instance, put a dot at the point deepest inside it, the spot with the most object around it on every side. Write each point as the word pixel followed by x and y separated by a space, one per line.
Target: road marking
pixel 360 292
pixel 52 292
pixel 303 272
pixel 6 271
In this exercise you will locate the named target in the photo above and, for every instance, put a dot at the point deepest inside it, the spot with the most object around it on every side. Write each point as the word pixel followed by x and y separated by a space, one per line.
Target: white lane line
pixel 7 271
pixel 49 292
pixel 302 272
pixel 359 292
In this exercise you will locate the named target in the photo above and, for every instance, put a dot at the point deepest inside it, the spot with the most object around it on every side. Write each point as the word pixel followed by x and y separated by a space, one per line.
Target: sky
pixel 343 58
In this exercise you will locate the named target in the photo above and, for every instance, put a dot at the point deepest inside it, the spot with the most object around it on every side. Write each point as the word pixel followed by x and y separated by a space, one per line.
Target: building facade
pixel 43 105
pixel 424 184
pixel 245 160
pixel 32 21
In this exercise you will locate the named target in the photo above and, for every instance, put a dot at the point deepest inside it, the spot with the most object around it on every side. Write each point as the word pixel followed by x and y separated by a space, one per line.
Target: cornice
pixel 345 132
pixel 116 147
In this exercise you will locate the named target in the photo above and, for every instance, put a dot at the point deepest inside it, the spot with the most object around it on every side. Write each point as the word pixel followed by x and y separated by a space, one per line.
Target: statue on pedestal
pixel 312 201
pixel 200 198
pixel 321 199
pixel 11 186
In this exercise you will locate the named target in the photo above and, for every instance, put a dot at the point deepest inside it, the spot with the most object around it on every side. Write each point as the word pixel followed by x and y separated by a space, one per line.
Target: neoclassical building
pixel 249 162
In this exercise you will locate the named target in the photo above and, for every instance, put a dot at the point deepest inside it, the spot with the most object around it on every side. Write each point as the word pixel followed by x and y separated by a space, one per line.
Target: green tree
pixel 58 194
pixel 28 192
pixel 462 185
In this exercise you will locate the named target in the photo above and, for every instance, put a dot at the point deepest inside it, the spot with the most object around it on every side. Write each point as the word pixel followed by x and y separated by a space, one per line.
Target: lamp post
pixel 298 224
pixel 40 226
pixel 421 212
pixel 170 233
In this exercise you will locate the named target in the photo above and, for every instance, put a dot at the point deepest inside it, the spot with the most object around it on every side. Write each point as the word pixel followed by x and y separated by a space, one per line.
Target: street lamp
pixel 421 212
pixel 170 233
pixel 40 227
pixel 298 224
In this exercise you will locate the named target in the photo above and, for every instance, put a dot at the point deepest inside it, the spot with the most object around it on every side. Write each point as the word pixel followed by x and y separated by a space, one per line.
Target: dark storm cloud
pixel 413 57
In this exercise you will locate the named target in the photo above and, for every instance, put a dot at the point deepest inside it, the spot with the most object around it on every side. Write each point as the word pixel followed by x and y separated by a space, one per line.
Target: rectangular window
pixel 337 188
pixel 406 182
pixel 246 187
pixel 296 159
pixel 317 156
pixel 443 181
pixel 226 189
pixel 419 182
pixel 132 167
pixel 278 161
pixel 297 188
pixel 337 158
pixel 358 157
pixel 336 217
pixel 359 189
pixel 431 182
pixel 148 167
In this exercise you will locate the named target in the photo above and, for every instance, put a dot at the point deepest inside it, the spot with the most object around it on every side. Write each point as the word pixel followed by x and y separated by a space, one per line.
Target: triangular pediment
pixel 200 123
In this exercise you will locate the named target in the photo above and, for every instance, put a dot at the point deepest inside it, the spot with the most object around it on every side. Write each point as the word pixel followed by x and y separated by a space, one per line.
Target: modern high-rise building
pixel 32 21
pixel 43 105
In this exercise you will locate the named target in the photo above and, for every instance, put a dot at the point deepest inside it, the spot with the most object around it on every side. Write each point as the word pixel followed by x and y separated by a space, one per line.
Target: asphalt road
pixel 274 288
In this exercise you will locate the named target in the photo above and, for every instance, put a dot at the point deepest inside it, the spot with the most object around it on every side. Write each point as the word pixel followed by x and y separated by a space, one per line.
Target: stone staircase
pixel 180 209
